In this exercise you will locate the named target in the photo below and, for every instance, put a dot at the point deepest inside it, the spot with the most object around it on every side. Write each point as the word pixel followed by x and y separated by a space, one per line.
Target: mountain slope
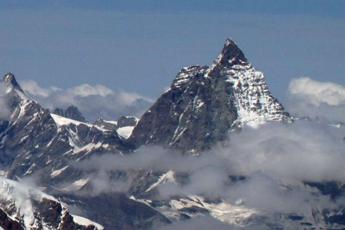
pixel 22 207
pixel 33 139
pixel 46 146
pixel 204 103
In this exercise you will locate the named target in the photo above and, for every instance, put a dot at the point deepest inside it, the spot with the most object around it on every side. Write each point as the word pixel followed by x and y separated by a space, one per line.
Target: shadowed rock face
pixel 127 121
pixel 71 112
pixel 192 115
pixel 117 211
pixel 7 222
pixel 204 103
pixel 230 55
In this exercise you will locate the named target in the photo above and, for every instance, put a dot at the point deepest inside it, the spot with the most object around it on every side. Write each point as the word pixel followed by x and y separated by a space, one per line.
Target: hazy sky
pixel 139 46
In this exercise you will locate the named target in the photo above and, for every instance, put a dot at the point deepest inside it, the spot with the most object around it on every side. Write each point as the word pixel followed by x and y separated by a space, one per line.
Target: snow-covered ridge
pixel 231 214
pixel 253 100
pixel 255 104
pixel 25 205
pixel 20 195
pixel 187 74
pixel 86 222
pixel 125 132
pixel 168 177
pixel 63 121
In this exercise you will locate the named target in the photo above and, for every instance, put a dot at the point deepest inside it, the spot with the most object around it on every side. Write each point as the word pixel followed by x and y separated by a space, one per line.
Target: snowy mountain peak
pixel 14 92
pixel 11 82
pixel 230 55
pixel 204 103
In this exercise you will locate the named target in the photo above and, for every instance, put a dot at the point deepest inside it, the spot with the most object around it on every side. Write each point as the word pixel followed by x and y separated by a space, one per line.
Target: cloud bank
pixel 274 161
pixel 94 101
pixel 308 97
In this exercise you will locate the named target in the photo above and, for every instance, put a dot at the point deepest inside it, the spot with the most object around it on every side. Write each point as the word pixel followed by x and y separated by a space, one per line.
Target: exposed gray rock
pixel 127 121
pixel 118 211
pixel 204 103
pixel 33 140
pixel 71 112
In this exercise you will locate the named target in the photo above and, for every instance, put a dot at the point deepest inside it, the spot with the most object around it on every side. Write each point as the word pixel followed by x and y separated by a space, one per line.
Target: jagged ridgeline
pixel 204 103
pixel 42 145
pixel 201 107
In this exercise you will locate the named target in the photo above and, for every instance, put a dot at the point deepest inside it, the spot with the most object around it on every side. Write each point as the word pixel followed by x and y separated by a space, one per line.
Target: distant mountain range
pixel 202 108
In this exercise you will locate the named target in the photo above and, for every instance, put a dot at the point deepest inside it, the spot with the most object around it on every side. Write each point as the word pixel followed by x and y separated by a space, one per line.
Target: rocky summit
pixel 203 104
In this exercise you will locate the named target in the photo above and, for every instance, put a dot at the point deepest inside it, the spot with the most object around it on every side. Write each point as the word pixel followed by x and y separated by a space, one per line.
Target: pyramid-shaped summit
pixel 231 55
pixel 204 103
pixel 11 82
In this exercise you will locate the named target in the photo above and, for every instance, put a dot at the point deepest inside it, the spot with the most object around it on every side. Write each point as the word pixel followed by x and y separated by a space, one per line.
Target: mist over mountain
pixel 93 101
pixel 216 149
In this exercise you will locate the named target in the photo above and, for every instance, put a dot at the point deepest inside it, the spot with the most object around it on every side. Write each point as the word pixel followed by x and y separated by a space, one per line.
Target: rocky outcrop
pixel 71 112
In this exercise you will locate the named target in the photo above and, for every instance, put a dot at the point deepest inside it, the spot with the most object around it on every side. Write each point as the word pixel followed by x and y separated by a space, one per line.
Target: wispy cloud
pixel 308 97
pixel 276 161
pixel 94 101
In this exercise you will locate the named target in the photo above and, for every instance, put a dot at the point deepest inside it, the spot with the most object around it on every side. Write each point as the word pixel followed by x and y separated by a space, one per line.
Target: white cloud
pixel 276 160
pixel 94 101
pixel 303 151
pixel 308 97
pixel 34 89
pixel 85 90
pixel 317 92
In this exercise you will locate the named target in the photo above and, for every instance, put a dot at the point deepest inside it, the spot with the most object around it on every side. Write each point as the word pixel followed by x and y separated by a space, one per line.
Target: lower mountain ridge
pixel 23 207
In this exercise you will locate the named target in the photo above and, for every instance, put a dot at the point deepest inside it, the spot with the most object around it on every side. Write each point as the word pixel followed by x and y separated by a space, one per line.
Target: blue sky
pixel 139 46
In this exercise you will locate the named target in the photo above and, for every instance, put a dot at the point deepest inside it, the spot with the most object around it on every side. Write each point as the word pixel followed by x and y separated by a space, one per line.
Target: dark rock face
pixel 230 55
pixel 123 121
pixel 126 121
pixel 204 103
pixel 110 125
pixel 192 115
pixel 71 112
pixel 128 213
pixel 7 222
